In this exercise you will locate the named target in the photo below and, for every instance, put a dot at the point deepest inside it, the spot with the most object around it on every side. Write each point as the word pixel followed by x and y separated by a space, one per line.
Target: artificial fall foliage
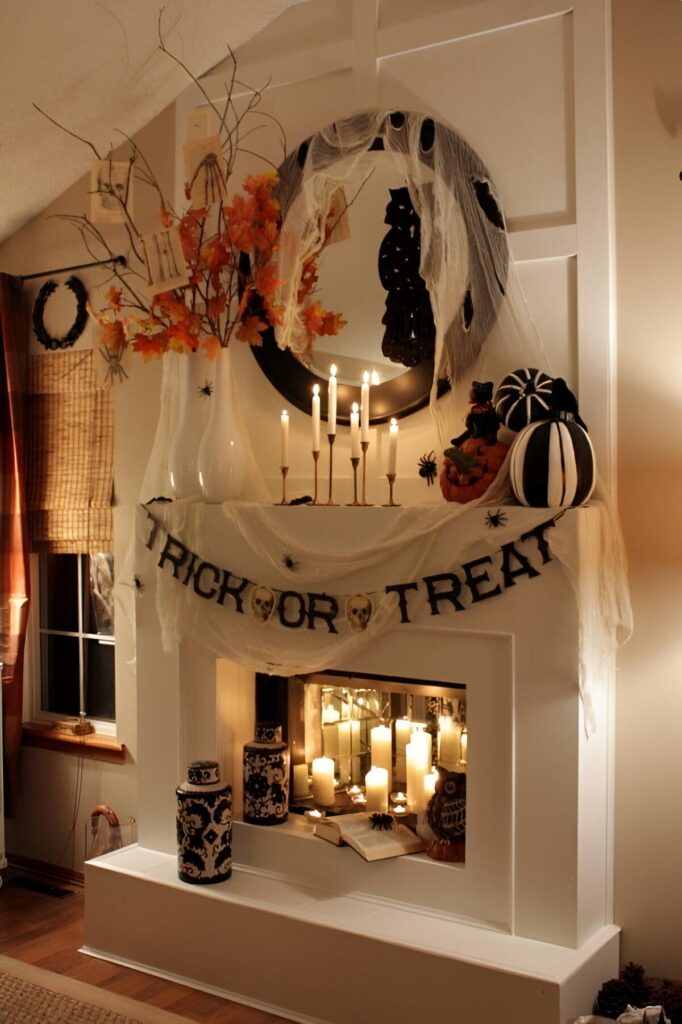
pixel 227 241
pixel 227 295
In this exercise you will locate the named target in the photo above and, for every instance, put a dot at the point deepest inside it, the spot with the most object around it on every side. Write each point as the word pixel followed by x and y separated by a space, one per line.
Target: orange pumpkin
pixel 467 484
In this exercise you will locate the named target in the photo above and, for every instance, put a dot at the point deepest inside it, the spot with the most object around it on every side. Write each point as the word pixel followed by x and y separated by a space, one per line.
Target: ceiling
pixel 95 66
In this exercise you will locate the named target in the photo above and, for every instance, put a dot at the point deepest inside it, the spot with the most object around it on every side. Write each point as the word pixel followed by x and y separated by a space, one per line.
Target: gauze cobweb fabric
pixel 482 326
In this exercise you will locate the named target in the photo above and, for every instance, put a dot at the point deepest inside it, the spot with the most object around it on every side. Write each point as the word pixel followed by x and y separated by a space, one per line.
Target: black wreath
pixel 77 327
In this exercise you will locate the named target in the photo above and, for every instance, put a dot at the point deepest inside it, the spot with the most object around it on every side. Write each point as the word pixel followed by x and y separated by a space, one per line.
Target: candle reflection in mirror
pixel 464 744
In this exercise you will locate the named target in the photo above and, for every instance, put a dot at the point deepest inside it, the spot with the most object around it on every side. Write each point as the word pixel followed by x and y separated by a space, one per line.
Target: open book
pixel 371 843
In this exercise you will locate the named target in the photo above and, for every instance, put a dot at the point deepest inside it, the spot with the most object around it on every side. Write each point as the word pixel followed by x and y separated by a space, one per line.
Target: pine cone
pixel 613 998
pixel 642 989
pixel 669 995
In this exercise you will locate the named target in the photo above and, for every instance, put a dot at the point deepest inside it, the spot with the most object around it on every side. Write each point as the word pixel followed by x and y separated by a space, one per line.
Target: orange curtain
pixel 14 567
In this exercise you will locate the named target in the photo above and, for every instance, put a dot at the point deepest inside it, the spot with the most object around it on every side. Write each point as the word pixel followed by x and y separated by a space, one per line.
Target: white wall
pixel 50 782
pixel 647 43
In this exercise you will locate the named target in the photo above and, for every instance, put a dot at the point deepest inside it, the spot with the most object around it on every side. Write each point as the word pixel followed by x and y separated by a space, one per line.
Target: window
pixel 76 628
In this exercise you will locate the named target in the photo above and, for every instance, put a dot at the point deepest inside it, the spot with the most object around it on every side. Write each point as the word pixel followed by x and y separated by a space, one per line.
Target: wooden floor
pixel 47 931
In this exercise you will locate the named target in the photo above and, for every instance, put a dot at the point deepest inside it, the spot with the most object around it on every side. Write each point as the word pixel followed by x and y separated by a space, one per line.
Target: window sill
pixel 94 746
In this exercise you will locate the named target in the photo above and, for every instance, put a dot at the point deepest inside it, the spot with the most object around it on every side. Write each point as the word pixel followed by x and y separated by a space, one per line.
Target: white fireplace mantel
pixel 531 908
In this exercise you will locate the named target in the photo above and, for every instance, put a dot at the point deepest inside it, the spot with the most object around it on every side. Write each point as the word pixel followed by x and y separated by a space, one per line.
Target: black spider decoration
pixel 206 389
pixel 211 178
pixel 495 519
pixel 138 583
pixel 114 365
pixel 384 822
pixel 289 562
pixel 428 468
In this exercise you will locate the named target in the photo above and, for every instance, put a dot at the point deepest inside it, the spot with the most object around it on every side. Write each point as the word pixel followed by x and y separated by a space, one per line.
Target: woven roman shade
pixel 69 451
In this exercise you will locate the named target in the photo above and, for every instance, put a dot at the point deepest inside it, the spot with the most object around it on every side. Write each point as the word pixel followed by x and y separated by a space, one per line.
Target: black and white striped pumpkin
pixel 523 398
pixel 552 463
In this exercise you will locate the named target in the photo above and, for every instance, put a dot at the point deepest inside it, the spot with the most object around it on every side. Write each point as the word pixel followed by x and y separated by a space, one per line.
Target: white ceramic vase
pixel 221 459
pixel 191 413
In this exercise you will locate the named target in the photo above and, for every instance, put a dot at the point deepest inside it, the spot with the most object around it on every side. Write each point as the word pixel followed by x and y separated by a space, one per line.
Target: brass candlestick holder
pixel 316 458
pixel 391 503
pixel 355 462
pixel 284 470
pixel 331 438
pixel 364 445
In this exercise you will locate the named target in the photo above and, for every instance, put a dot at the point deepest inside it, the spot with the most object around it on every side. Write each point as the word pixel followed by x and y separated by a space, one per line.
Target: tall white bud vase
pixel 221 460
pixel 191 409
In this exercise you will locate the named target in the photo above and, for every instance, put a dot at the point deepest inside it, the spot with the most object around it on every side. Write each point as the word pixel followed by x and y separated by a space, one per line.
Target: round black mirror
pixel 372 276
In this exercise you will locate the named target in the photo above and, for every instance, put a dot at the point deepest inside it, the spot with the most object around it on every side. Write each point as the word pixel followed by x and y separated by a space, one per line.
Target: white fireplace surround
pixel 528 916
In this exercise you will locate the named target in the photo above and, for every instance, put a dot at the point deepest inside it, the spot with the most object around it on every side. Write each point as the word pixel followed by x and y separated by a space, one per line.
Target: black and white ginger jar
pixel 266 776
pixel 204 825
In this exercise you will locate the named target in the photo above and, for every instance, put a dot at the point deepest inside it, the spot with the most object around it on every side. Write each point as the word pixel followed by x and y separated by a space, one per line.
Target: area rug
pixel 30 995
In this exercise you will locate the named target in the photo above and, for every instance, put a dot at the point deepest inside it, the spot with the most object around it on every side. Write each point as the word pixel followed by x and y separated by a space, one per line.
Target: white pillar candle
pixel 331 401
pixel 424 737
pixel 323 781
pixel 402 735
pixel 392 447
pixel 448 741
pixel 376 789
pixel 355 432
pixel 344 731
pixel 316 417
pixel 402 738
pixel 381 748
pixel 285 438
pixel 364 407
pixel 301 784
pixel 418 756
pixel 464 745
pixel 355 768
pixel 430 780
pixel 330 739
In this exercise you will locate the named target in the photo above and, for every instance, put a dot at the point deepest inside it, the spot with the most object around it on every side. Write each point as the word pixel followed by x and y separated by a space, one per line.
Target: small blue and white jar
pixel 266 776
pixel 204 825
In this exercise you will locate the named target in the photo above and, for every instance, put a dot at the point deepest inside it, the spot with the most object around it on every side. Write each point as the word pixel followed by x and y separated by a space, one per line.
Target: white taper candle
pixel 331 401
pixel 355 432
pixel 285 438
pixel 364 407
pixel 316 417
pixel 392 447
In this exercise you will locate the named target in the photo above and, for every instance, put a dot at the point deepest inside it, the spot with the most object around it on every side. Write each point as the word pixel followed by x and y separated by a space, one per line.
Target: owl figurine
pixel 446 815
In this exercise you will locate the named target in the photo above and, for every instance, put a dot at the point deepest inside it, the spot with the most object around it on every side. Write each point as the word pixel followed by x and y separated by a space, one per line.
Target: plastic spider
pixel 428 467
pixel 114 367
pixel 384 822
pixel 205 389
pixel 139 585
pixel 289 561
pixel 211 179
pixel 495 519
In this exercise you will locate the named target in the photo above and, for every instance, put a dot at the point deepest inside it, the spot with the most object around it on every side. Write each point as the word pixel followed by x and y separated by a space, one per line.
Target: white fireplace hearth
pixel 520 932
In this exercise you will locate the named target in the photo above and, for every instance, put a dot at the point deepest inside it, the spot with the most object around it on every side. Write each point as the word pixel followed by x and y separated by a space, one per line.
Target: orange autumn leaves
pixel 232 283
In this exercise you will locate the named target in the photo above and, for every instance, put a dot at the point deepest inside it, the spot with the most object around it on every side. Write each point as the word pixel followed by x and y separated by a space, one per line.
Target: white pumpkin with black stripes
pixel 552 463
pixel 523 397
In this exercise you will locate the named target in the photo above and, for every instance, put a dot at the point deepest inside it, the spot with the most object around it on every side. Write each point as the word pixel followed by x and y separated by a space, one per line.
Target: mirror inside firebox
pixel 342 727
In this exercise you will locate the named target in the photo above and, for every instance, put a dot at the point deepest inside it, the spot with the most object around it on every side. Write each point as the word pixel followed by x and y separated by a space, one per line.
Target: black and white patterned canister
pixel 204 825
pixel 266 777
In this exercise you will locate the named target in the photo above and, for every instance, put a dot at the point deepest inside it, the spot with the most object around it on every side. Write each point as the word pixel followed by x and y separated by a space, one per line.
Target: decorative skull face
pixel 358 612
pixel 262 603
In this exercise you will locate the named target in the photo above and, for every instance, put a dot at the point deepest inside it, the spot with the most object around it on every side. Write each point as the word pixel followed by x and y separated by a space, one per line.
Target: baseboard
pixel 41 869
